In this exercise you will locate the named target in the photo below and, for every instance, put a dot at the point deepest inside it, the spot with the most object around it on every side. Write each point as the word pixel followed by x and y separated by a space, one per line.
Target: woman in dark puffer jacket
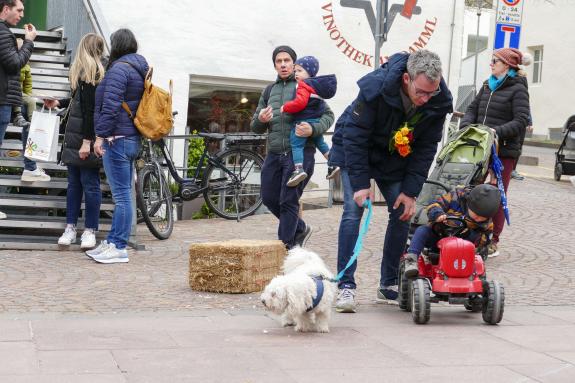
pixel 86 73
pixel 503 105
pixel 117 139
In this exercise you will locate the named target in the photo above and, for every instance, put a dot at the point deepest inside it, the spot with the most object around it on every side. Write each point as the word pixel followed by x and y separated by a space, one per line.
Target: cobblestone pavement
pixel 536 264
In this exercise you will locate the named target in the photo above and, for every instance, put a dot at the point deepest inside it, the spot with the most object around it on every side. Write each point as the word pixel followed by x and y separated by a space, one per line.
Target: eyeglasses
pixel 495 61
pixel 422 93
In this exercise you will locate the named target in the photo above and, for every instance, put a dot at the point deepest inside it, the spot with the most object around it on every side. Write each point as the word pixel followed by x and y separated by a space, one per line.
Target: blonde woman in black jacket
pixel 86 73
pixel 502 103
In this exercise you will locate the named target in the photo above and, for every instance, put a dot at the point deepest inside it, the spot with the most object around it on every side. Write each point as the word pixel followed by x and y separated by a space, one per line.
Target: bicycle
pixel 230 183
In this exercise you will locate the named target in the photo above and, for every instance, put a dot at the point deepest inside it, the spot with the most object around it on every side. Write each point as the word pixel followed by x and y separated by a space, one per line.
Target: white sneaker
pixel 112 255
pixel 3 215
pixel 345 301
pixel 88 239
pixel 35 175
pixel 68 238
pixel 98 250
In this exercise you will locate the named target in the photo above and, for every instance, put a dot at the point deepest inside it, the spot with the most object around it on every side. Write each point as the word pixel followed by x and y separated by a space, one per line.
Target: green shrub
pixel 195 149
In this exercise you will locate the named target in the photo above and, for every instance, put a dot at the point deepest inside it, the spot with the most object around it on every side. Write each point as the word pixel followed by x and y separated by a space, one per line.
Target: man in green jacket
pixel 281 200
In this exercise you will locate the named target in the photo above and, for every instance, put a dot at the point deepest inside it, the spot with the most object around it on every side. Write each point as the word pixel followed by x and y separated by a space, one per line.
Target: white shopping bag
pixel 42 143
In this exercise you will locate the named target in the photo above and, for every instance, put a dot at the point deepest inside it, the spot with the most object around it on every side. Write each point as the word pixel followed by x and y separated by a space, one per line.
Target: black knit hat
pixel 484 200
pixel 286 49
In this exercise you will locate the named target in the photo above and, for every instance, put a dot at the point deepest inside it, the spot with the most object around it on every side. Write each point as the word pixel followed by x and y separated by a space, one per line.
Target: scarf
pixel 495 82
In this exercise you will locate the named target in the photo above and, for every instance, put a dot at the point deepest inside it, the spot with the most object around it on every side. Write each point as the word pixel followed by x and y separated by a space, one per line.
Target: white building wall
pixel 235 38
pixel 550 24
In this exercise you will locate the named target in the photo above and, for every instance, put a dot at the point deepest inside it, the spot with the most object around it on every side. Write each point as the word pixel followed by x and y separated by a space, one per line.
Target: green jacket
pixel 281 123
pixel 26 79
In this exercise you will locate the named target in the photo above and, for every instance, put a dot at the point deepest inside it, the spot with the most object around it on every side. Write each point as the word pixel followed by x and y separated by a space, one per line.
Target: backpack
pixel 267 92
pixel 154 118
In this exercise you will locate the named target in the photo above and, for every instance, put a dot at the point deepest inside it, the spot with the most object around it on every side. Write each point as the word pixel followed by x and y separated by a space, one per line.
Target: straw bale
pixel 234 266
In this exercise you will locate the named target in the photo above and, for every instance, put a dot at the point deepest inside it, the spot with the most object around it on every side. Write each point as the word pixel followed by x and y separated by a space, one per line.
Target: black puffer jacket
pixel 506 110
pixel 11 61
pixel 80 126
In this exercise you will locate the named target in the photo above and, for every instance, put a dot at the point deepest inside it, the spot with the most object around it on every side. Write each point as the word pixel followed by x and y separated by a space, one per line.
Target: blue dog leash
pixel 359 242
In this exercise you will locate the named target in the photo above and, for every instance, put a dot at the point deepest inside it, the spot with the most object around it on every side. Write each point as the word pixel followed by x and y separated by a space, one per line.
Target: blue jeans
pixel 395 235
pixel 5 118
pixel 298 144
pixel 118 162
pixel 281 200
pixel 348 232
pixel 424 237
pixel 83 182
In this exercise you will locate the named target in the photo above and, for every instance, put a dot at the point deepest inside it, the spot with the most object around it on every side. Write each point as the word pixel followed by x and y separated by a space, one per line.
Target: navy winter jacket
pixel 325 88
pixel 122 82
pixel 336 153
pixel 377 113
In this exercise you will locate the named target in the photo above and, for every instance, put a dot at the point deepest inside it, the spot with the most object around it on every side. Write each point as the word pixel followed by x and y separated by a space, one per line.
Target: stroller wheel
pixel 558 171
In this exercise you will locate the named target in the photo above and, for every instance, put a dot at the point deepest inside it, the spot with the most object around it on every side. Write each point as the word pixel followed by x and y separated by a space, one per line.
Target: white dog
pixel 295 294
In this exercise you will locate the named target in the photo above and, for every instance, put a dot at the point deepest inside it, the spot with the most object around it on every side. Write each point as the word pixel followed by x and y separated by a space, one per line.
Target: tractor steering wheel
pixel 451 227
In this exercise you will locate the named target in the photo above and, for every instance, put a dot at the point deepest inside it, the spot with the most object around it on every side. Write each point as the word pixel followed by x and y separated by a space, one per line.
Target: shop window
pixel 224 105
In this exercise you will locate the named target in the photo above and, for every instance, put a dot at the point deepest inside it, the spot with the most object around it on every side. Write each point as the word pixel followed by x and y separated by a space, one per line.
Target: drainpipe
pixel 479 2
pixel 451 41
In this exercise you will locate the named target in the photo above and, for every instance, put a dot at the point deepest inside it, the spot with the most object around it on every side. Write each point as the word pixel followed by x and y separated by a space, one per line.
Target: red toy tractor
pixel 455 274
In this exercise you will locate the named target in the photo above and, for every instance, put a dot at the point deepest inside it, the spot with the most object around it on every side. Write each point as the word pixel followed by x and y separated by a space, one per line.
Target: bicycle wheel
pixel 155 202
pixel 238 195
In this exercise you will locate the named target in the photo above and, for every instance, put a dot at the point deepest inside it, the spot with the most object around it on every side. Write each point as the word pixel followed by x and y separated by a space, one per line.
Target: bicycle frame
pixel 188 188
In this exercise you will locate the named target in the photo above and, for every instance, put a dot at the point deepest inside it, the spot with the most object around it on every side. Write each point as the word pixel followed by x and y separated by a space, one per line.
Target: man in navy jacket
pixel 390 134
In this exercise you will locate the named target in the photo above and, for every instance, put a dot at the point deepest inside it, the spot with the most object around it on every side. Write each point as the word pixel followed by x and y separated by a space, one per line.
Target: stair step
pixel 55 72
pixel 14 180
pixel 15 145
pixel 40 58
pixel 17 162
pixel 50 46
pixel 11 145
pixel 41 35
pixel 47 201
pixel 45 222
pixel 45 85
pixel 54 183
pixel 31 242
pixel 58 94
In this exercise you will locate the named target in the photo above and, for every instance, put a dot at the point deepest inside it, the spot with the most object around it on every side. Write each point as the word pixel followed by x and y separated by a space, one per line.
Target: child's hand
pixel 441 218
pixel 282 109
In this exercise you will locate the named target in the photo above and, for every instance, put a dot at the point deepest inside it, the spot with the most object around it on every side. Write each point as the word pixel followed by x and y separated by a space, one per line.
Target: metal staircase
pixel 36 211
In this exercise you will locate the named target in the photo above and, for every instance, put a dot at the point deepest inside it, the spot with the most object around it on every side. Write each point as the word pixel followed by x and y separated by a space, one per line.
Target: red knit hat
pixel 512 57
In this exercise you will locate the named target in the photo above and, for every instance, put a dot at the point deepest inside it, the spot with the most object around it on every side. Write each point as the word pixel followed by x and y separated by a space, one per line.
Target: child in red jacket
pixel 308 106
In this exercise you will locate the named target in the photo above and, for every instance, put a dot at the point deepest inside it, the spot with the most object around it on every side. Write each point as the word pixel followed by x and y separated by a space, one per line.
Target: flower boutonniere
pixel 402 138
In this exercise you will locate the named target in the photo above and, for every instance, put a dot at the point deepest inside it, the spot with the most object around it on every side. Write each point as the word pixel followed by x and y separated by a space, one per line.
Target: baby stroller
pixel 463 161
pixel 565 155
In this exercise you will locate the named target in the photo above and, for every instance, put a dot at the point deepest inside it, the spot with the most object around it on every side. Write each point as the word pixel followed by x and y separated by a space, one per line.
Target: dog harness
pixel 319 287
